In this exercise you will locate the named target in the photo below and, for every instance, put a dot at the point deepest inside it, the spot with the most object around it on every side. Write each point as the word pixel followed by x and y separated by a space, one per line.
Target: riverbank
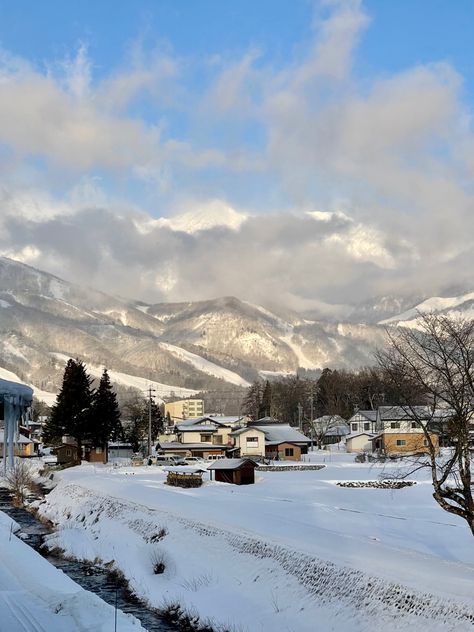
pixel 37 597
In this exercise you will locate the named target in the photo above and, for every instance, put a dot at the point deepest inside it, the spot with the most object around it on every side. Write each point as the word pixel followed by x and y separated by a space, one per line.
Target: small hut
pixel 67 454
pixel 235 471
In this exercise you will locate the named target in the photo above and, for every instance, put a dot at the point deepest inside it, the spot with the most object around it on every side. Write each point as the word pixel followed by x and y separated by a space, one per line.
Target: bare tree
pixel 321 426
pixel 433 364
pixel 20 481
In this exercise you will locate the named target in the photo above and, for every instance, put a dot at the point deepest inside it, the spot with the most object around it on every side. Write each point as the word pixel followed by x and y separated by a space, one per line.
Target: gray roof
pixel 240 431
pixel 399 413
pixel 183 428
pixel 279 433
pixel 360 434
pixel 370 415
pixel 229 464
pixel 217 419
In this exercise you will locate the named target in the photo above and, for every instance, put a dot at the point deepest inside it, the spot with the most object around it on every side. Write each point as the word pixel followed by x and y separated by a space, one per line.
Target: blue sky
pixel 232 111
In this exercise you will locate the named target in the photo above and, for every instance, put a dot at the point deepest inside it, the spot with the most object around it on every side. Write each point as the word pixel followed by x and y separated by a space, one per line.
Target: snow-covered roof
pixel 14 388
pixel 21 438
pixel 265 420
pixel 370 415
pixel 338 431
pixel 217 419
pixel 185 469
pixel 196 428
pixel 229 464
pixel 360 434
pixel 388 413
pixel 279 433
pixel 240 431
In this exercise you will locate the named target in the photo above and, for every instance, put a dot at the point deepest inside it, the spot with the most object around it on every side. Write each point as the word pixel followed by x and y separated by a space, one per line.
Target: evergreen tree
pixel 70 415
pixel 104 422
pixel 137 412
pixel 265 408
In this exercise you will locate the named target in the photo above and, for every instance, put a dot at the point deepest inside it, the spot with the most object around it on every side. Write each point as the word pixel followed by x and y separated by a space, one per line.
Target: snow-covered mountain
pixel 455 306
pixel 212 344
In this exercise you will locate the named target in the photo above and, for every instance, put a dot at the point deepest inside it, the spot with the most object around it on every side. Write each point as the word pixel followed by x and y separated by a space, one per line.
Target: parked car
pixel 170 460
pixel 193 460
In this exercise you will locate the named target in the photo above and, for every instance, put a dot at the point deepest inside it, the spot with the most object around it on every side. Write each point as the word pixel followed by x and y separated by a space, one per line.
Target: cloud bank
pixel 300 184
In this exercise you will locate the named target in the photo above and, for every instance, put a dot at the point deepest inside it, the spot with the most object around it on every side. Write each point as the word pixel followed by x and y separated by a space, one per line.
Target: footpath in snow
pixel 37 597
pixel 294 552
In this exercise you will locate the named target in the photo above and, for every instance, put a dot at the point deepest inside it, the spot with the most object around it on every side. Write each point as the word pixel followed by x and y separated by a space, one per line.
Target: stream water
pixel 92 578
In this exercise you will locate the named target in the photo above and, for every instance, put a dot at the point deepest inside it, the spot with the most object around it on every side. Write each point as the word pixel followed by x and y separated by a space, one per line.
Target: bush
pixel 158 562
pixel 20 481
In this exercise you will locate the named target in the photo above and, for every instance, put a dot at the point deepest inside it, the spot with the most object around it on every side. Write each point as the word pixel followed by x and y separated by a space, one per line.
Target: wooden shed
pixel 235 471
pixel 67 453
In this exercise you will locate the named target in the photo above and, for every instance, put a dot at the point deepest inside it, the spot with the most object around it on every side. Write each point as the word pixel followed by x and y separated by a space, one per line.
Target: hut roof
pixel 230 464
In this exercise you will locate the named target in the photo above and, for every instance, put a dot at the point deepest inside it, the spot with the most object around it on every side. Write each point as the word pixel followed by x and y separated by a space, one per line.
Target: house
pixel 363 421
pixel 359 442
pixel 119 450
pixel 94 454
pixel 67 453
pixel 203 450
pixel 22 446
pixel 184 409
pixel 248 442
pixel 399 430
pixel 329 429
pixel 213 430
pixel 282 441
pixel 235 471
pixel 282 451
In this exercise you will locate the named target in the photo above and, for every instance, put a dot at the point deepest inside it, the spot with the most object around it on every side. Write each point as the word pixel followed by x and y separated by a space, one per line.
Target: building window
pixel 98 450
pixel 68 452
pixel 366 426
pixel 252 439
pixel 288 451
pixel 425 442
pixel 395 424
pixel 414 424
pixel 401 442
pixel 354 427
pixel 206 437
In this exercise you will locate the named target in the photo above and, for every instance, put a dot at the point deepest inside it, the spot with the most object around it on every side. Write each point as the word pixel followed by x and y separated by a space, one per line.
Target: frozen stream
pixel 91 578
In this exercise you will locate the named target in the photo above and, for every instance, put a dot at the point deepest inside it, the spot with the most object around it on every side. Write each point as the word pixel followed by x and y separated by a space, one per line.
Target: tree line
pixel 93 415
pixel 336 392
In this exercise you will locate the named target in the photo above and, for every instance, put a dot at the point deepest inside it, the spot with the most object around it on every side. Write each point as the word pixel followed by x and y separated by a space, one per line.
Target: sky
pixel 308 153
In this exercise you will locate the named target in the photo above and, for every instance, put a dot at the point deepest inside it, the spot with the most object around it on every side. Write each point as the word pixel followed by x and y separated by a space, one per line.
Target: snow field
pixel 294 552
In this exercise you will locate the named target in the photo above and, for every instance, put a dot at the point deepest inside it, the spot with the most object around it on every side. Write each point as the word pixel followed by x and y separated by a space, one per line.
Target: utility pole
pixel 300 420
pixel 150 391
pixel 311 399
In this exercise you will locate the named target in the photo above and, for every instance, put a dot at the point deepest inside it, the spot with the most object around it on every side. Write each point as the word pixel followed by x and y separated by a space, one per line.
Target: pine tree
pixel 104 422
pixel 265 408
pixel 70 415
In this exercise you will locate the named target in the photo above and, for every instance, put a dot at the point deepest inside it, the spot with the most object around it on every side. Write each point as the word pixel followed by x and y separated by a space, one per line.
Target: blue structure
pixel 16 399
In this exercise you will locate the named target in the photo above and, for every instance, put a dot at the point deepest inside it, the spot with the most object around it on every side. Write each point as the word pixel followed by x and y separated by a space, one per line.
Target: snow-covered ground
pixel 37 597
pixel 294 552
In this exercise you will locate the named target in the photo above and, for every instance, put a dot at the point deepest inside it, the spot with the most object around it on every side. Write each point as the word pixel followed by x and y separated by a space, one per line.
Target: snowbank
pixel 37 597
